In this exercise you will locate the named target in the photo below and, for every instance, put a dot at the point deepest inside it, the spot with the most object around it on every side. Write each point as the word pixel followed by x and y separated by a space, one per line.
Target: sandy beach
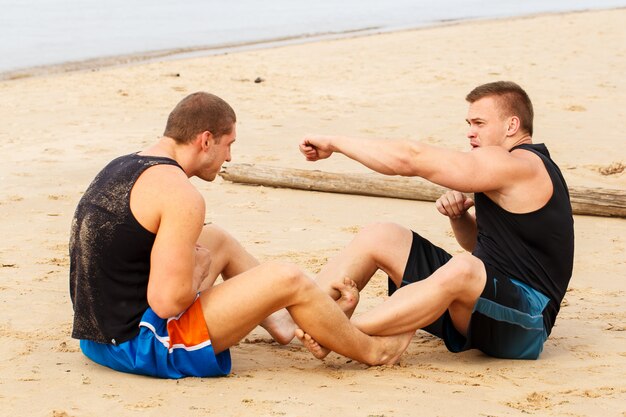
pixel 59 130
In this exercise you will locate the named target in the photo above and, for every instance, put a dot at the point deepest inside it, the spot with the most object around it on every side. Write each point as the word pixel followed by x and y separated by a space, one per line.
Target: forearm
pixel 173 281
pixel 390 157
pixel 465 231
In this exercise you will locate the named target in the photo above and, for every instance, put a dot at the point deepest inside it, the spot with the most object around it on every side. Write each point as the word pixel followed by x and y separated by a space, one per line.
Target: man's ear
pixel 513 126
pixel 206 140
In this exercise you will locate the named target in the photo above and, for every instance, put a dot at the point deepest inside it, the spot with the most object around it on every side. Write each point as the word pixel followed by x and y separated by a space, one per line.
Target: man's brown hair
pixel 197 113
pixel 512 99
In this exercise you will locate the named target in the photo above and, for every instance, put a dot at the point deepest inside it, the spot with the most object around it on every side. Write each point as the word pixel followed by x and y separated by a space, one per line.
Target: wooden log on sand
pixel 585 201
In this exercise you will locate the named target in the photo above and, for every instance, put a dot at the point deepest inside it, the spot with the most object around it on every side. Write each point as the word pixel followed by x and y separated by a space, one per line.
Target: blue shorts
pixel 507 320
pixel 164 348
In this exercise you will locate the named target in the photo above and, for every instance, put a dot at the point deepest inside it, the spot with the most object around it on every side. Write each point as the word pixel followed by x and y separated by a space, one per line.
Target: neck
pixel 169 148
pixel 517 140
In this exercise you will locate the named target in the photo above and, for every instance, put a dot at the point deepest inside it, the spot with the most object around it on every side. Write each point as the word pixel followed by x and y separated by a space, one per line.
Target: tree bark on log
pixel 586 201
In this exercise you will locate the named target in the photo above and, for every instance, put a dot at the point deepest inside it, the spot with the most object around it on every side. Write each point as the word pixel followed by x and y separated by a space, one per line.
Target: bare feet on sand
pixel 389 352
pixel 317 350
pixel 347 301
pixel 280 326
pixel 395 347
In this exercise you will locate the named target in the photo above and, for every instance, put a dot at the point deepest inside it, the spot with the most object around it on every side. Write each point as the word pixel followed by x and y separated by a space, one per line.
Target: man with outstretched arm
pixel 502 296
pixel 144 265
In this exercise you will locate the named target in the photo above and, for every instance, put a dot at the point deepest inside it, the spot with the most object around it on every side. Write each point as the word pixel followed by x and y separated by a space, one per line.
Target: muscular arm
pixel 165 202
pixel 482 169
pixel 174 278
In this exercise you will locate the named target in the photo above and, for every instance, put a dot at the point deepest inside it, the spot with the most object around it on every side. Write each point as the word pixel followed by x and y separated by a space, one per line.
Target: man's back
pixel 110 254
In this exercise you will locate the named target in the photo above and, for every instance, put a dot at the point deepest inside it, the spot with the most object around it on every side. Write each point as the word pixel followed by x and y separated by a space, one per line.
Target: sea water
pixel 46 32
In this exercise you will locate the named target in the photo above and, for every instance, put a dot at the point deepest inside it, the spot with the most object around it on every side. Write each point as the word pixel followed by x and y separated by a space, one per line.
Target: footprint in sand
pixel 576 107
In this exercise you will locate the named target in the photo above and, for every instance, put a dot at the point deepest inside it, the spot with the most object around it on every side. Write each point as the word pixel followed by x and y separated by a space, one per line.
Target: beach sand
pixel 58 131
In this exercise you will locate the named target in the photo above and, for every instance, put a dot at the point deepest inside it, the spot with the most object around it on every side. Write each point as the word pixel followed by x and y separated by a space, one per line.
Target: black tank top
pixel 110 255
pixel 536 248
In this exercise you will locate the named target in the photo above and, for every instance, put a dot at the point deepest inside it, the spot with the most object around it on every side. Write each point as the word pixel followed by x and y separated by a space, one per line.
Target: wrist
pixel 460 218
pixel 332 144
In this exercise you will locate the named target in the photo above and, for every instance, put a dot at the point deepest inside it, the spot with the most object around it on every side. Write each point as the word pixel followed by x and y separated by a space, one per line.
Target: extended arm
pixel 482 169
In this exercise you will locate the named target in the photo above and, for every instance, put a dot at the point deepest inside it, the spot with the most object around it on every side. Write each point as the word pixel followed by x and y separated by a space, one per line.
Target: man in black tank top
pixel 503 294
pixel 143 265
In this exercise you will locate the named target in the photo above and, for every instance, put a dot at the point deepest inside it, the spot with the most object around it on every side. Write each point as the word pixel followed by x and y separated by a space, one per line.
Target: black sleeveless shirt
pixel 536 248
pixel 110 255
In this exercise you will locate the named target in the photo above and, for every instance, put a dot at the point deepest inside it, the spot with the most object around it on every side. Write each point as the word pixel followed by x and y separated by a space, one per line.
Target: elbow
pixel 406 163
pixel 163 310
pixel 166 307
pixel 405 169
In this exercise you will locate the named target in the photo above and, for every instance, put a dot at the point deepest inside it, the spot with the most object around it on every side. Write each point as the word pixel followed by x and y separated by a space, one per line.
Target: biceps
pixel 173 255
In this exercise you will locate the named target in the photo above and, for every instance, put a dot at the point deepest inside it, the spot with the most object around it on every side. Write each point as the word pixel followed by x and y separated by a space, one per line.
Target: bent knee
pixel 463 274
pixel 383 233
pixel 215 235
pixel 381 228
pixel 289 275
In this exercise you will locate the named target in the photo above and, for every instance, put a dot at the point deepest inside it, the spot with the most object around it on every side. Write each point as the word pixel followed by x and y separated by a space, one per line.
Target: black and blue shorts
pixel 507 320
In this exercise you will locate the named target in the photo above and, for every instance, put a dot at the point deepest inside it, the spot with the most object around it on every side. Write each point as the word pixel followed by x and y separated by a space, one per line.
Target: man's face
pixel 217 154
pixel 487 127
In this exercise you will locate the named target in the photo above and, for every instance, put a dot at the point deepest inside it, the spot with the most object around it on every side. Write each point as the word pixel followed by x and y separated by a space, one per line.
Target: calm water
pixel 44 32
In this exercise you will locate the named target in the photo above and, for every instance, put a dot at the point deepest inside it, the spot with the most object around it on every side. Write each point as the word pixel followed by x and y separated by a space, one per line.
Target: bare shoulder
pixel 515 166
pixel 527 156
pixel 531 167
pixel 532 187
pixel 484 169
pixel 165 190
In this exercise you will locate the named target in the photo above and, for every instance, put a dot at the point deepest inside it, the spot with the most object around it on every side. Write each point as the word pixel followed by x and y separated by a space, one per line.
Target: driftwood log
pixel 585 201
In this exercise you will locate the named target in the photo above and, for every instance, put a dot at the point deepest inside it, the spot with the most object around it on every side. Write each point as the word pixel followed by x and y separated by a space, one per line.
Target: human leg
pixel 377 246
pixel 454 287
pixel 382 246
pixel 228 256
pixel 423 260
pixel 228 259
pixel 232 309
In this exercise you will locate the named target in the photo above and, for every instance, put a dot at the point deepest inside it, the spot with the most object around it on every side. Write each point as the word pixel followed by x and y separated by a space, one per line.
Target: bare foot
pixel 349 295
pixel 319 351
pixel 394 347
pixel 391 347
pixel 280 326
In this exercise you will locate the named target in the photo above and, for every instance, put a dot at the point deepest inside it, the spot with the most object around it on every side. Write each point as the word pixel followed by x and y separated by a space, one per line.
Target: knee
pixel 377 233
pixel 379 228
pixel 461 273
pixel 218 239
pixel 213 233
pixel 290 277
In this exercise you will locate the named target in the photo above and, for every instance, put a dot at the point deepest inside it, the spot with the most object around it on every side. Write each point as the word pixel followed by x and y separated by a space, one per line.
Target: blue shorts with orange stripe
pixel 166 348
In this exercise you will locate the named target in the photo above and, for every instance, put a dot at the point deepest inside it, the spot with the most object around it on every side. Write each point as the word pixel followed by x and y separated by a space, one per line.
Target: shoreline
pixel 94 64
